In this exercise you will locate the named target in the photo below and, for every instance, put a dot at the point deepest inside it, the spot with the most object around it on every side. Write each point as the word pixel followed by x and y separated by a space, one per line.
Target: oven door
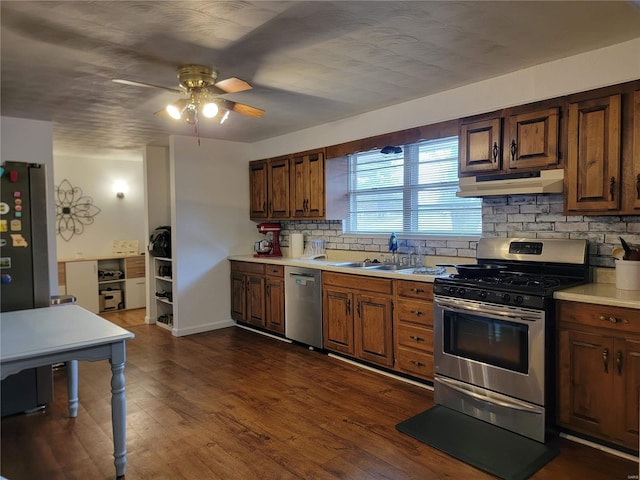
pixel 495 347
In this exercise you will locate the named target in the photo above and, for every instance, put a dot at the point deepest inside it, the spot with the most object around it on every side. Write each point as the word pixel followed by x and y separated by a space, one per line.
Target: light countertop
pixel 601 294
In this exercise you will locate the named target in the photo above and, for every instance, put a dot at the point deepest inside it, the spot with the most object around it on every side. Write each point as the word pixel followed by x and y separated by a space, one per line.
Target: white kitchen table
pixel 44 336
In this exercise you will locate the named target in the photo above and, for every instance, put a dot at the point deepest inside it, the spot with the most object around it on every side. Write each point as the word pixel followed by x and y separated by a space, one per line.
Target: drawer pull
pixel 417 290
pixel 416 312
pixel 417 339
pixel 605 360
pixel 612 319
pixel 417 363
pixel 619 362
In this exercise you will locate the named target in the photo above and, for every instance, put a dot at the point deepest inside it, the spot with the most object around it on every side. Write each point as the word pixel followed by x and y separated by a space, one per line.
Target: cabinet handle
pixel 495 152
pixel 612 187
pixel 358 308
pixel 514 149
pixel 268 289
pixel 417 363
pixel 638 186
pixel 605 360
pixel 417 339
pixel 619 362
pixel 264 206
pixel 416 312
pixel 348 307
pixel 612 319
pixel 417 290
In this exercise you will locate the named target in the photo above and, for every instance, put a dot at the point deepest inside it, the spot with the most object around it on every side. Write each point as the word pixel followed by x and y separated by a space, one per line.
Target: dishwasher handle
pixel 303 275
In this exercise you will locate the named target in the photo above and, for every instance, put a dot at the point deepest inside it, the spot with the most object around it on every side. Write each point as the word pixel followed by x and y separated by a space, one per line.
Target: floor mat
pixel 496 451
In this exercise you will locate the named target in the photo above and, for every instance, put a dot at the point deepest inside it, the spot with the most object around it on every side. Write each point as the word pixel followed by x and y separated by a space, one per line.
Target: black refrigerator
pixel 24 271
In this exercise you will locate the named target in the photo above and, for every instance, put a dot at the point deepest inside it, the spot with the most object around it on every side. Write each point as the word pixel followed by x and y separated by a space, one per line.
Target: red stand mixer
pixel 270 247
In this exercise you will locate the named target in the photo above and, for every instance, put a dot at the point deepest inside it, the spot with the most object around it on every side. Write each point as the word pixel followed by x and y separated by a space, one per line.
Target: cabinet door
pixel 255 300
pixel 135 293
pixel 258 173
pixel 593 163
pixel 238 297
pixel 480 144
pixel 626 392
pixel 82 282
pixel 298 187
pixel 532 141
pixel 275 304
pixel 337 315
pixel 315 178
pixel 373 327
pixel 586 369
pixel 278 188
pixel 635 177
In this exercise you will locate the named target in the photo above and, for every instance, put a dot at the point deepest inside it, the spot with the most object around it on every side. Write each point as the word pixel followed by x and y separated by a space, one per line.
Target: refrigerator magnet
pixel 15 225
pixel 4 226
pixel 4 208
pixel 18 240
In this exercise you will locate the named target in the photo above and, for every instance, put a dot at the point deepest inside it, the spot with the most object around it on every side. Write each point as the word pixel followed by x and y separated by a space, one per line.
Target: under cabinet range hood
pixel 543 181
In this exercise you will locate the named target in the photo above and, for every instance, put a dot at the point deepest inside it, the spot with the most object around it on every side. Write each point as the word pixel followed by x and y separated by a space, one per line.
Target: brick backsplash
pixel 530 216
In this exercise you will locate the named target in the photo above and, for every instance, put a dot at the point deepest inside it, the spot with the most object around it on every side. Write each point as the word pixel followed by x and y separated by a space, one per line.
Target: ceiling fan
pixel 198 83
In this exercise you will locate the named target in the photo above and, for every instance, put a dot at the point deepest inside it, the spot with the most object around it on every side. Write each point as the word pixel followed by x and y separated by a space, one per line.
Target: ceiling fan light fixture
pixel 209 109
pixel 176 109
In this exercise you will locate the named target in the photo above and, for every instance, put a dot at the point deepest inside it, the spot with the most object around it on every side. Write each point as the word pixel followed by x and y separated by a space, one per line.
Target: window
pixel 411 192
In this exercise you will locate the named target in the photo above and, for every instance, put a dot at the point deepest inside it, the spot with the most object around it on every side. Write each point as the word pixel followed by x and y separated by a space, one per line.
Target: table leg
pixel 118 417
pixel 72 387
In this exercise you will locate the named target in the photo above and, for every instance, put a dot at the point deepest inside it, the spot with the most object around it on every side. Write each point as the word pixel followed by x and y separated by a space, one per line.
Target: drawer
pixel 420 313
pixel 134 267
pixel 247 267
pixel 275 270
pixel 417 290
pixel 616 318
pixel 415 363
pixel 358 282
pixel 415 337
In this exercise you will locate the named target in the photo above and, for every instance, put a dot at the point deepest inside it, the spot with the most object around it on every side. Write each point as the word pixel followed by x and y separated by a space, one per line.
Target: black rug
pixel 493 449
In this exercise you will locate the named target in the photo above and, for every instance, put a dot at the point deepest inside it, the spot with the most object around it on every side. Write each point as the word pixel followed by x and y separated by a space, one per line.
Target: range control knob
pixel 452 290
pixel 506 297
pixel 483 294
pixel 461 292
pixel 519 300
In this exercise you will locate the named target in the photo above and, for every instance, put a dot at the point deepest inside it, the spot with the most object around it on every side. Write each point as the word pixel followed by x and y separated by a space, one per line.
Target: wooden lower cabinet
pixel 357 317
pixel 599 371
pixel 257 295
pixel 275 298
pixel 413 328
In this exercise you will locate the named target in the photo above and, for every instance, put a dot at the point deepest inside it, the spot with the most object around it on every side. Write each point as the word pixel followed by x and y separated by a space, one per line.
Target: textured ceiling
pixel 309 62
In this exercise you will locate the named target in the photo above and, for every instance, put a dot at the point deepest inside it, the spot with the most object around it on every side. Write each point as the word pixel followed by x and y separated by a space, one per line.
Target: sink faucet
pixel 393 246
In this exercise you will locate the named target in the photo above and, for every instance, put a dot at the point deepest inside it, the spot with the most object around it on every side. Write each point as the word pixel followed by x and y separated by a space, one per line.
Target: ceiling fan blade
pixel 232 85
pixel 243 109
pixel 148 85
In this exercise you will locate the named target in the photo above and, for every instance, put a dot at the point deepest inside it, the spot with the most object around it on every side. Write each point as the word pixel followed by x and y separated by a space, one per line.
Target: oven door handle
pixel 514 405
pixel 460 307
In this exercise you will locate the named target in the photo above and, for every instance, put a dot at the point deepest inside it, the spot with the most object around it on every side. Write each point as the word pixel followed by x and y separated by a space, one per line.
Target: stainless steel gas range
pixel 494 333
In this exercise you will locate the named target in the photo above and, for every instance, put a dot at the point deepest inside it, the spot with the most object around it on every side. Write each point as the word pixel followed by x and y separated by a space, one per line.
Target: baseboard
pixel 254 330
pixel 598 446
pixel 205 327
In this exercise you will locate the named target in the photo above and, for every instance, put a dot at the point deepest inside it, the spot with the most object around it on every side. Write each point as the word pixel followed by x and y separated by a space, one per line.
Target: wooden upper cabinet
pixel 480 143
pixel 593 164
pixel 258 185
pixel 634 178
pixel 532 140
pixel 307 185
pixel 278 188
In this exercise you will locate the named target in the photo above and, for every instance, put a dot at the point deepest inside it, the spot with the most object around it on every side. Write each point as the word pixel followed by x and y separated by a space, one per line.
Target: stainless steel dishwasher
pixel 303 305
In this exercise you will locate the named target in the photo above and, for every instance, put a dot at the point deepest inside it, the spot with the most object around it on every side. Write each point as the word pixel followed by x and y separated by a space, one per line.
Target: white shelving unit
pixel 163 278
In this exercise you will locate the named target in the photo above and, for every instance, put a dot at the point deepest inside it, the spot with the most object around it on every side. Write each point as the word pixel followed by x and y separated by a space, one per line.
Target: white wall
pixel 119 218
pixel 607 66
pixel 31 141
pixel 210 221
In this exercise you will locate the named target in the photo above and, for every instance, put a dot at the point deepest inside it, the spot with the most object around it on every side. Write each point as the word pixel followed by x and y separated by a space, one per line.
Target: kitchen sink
pixel 391 266
pixel 363 264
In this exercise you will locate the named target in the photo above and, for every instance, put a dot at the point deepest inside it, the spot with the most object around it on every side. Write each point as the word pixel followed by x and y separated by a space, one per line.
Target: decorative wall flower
pixel 73 210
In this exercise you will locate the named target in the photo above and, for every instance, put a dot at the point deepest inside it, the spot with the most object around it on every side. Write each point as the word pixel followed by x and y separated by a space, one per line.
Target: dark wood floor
pixel 232 404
